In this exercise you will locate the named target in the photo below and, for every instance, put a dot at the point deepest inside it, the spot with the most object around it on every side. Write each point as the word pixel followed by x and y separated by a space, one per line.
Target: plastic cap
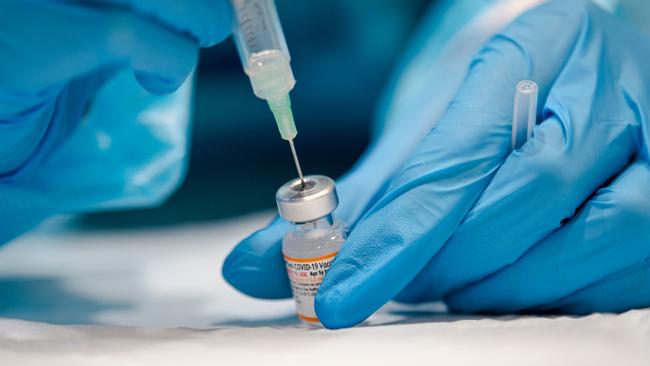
pixel 302 204
pixel 283 115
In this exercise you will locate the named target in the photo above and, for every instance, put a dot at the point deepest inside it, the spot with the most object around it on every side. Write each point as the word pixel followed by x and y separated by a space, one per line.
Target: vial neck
pixel 322 223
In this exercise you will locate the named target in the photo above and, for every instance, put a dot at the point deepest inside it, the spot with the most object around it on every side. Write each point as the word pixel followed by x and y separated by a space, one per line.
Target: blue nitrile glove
pixel 466 221
pixel 56 59
pixel 563 224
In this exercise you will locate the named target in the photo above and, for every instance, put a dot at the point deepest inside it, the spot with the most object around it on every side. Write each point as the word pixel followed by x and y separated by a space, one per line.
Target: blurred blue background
pixel 342 55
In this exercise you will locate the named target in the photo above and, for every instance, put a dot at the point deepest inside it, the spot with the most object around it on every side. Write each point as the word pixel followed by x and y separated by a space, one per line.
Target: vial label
pixel 305 276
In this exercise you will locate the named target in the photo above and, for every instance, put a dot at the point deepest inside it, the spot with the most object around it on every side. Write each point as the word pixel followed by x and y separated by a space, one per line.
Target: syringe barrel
pixel 262 48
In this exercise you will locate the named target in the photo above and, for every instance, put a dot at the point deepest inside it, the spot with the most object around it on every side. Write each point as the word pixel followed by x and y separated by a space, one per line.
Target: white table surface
pixel 156 297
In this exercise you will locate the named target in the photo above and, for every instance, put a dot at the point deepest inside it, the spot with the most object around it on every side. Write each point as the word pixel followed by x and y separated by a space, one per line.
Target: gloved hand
pixel 56 55
pixel 561 224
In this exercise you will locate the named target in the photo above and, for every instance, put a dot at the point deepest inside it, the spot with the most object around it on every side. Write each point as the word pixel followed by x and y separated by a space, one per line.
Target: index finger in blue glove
pixel 255 266
pixel 448 172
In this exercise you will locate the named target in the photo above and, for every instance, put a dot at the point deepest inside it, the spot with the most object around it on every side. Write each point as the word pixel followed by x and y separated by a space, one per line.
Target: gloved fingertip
pixel 255 276
pixel 157 84
pixel 354 286
pixel 330 312
pixel 218 30
pixel 229 269
pixel 340 301
pixel 255 266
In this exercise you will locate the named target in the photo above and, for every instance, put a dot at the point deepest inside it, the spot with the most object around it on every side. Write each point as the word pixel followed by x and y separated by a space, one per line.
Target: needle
pixel 295 160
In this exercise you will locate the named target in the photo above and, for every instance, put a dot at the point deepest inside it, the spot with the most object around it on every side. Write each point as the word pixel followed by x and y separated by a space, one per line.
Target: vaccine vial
pixel 310 247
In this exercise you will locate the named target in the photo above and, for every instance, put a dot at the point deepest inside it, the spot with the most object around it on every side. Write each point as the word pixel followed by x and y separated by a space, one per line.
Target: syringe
pixel 266 60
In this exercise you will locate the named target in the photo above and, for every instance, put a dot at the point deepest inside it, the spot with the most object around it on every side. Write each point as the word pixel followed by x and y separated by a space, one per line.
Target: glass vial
pixel 310 247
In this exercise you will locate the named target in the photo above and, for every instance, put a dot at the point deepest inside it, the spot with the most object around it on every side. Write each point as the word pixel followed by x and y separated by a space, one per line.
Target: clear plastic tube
pixel 265 58
pixel 525 112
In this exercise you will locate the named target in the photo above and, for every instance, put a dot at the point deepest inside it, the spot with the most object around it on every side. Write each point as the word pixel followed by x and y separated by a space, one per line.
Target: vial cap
pixel 302 204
